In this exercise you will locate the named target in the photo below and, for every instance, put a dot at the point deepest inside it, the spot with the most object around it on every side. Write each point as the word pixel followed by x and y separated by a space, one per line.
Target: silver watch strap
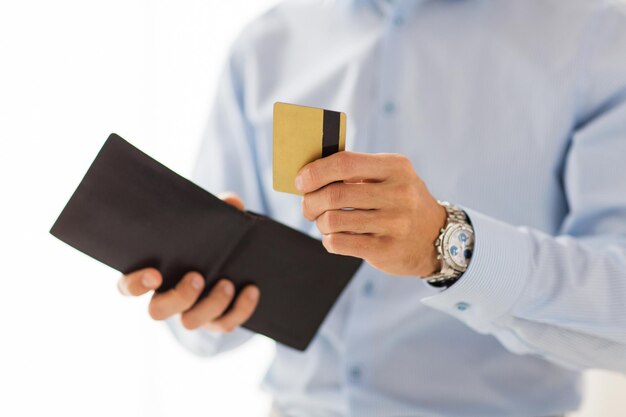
pixel 455 214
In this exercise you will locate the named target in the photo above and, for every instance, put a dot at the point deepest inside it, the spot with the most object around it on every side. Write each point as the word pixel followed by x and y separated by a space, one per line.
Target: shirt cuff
pixel 495 277
pixel 200 342
pixel 203 342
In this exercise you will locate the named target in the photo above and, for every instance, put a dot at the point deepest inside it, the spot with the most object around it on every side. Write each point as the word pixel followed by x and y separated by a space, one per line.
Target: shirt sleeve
pixel 563 297
pixel 226 162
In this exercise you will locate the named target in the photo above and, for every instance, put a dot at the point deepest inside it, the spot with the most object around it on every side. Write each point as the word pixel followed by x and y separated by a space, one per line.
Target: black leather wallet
pixel 131 212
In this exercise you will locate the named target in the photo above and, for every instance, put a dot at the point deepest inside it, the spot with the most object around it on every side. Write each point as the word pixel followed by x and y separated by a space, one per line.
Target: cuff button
pixel 462 306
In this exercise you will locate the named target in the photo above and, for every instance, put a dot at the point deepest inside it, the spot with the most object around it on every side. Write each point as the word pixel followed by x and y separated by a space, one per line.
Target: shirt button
pixel 355 374
pixel 398 21
pixel 462 306
pixel 389 107
pixel 368 288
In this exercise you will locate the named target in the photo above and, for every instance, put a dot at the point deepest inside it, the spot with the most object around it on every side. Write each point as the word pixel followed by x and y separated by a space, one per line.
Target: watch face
pixel 460 244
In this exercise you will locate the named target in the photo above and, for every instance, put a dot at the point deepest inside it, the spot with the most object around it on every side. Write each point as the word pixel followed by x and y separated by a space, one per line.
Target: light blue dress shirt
pixel 513 109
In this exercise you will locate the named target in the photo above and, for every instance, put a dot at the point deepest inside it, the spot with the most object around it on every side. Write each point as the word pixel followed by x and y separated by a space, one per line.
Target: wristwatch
pixel 454 247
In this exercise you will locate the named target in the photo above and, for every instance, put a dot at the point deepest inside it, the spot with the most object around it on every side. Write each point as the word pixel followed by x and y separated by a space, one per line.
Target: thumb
pixel 232 199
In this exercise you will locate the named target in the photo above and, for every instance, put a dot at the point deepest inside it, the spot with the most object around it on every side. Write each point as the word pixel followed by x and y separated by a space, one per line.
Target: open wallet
pixel 131 212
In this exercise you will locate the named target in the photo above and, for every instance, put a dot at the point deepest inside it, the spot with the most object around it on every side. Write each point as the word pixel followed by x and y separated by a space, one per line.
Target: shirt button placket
pixel 389 107
pixel 355 374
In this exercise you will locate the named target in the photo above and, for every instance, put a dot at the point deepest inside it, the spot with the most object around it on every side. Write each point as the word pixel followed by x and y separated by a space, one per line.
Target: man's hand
pixel 209 312
pixel 392 221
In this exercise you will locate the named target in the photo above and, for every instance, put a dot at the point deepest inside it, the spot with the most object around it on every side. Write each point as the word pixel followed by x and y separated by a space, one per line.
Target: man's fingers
pixel 344 166
pixel 140 282
pixel 353 221
pixel 360 246
pixel 210 307
pixel 244 306
pixel 178 299
pixel 364 196
pixel 232 199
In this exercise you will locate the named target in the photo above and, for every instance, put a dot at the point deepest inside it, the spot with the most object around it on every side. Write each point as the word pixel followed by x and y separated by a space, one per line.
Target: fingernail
pixel 299 182
pixel 197 282
pixel 253 294
pixel 228 289
pixel 149 280
pixel 326 242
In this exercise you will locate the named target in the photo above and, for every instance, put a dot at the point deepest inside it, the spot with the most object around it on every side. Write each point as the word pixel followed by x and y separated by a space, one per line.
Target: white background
pixel 71 72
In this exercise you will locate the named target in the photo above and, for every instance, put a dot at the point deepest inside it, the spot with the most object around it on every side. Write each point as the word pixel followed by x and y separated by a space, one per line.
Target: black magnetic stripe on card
pixel 330 133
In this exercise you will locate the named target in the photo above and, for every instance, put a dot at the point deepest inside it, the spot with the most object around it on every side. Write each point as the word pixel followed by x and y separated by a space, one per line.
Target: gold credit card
pixel 302 135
